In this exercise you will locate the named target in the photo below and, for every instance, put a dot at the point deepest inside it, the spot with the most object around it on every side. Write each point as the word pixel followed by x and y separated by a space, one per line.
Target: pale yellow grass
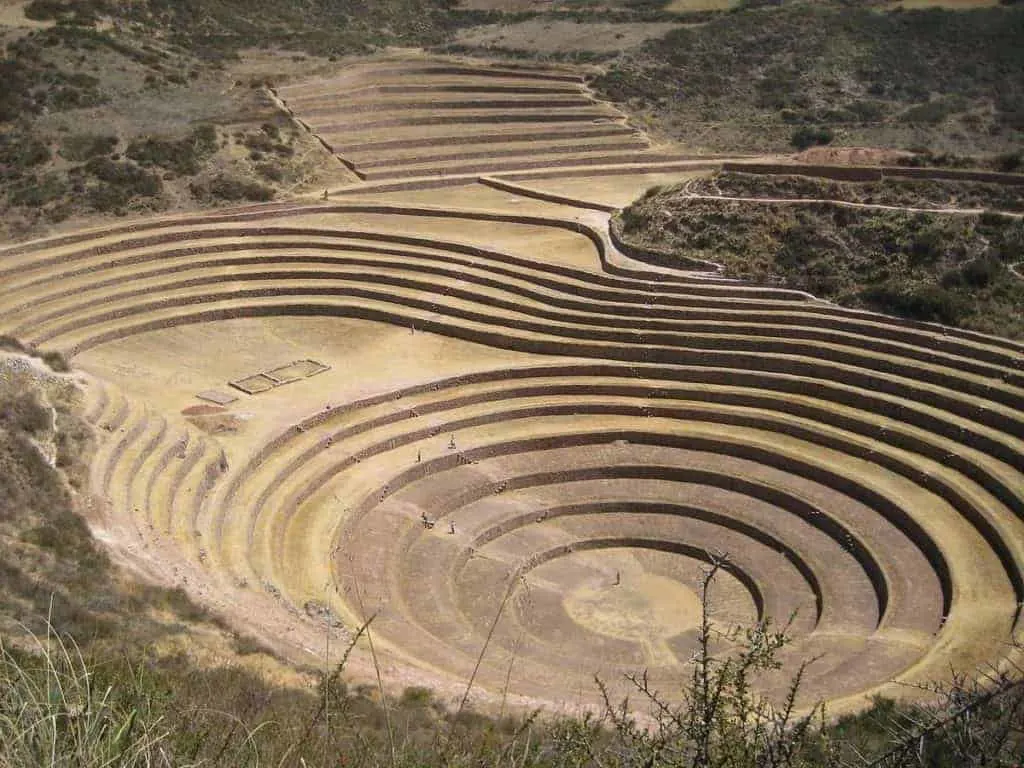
pixel 508 6
pixel 682 6
pixel 547 36
pixel 953 5
pixel 619 191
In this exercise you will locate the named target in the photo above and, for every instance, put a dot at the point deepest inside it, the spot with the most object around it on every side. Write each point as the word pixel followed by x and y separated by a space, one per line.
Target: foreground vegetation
pixel 950 268
pixel 61 705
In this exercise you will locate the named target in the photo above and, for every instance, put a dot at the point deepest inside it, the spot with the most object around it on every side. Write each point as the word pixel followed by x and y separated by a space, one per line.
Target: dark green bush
pixel 56 361
pixel 267 142
pixel 38 190
pixel 122 181
pixel 806 136
pixel 270 171
pixel 993 219
pixel 921 265
pixel 927 246
pixel 867 110
pixel 76 11
pixel 271 130
pixel 1010 162
pixel 982 272
pixel 11 344
pixel 834 62
pixel 31 83
pixel 182 156
pixel 933 111
pixel 79 147
pixel 930 303
pixel 23 412
pixel 232 189
pixel 20 150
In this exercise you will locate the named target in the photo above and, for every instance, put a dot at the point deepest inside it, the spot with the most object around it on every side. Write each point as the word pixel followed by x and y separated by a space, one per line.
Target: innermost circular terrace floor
pixel 644 597
pixel 645 608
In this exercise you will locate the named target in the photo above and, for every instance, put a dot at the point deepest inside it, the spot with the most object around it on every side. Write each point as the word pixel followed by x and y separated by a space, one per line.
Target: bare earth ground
pixel 851 156
pixel 700 5
pixel 509 6
pixel 526 444
pixel 12 14
pixel 951 4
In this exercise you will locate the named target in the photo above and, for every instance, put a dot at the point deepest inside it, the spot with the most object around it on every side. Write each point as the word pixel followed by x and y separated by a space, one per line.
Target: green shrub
pixel 930 303
pixel 121 182
pixel 417 696
pixel 1010 162
pixel 270 171
pixel 271 130
pixel 807 136
pixel 922 265
pixel 182 156
pixel 75 11
pixel 933 111
pixel 32 83
pixel 994 219
pixel 231 188
pixel 829 62
pixel 37 190
pixel 71 97
pixel 867 111
pixel 927 246
pixel 247 645
pixel 19 151
pixel 23 412
pixel 56 361
pixel 79 147
pixel 266 142
pixel 178 601
pixel 11 344
pixel 982 272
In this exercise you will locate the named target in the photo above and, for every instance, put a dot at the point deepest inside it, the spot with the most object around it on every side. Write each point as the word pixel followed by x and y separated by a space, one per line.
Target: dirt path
pixel 12 14
pixel 850 204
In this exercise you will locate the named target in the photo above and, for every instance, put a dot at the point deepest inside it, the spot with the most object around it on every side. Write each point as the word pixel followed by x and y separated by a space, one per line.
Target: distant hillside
pixel 126 113
pixel 759 80
pixel 215 28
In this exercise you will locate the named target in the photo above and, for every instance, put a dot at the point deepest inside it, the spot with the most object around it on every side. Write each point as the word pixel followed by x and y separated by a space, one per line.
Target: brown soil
pixel 851 156
pixel 202 410
pixel 553 36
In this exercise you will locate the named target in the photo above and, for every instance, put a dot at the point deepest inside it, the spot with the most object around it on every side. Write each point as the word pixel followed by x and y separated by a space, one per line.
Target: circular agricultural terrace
pixel 454 406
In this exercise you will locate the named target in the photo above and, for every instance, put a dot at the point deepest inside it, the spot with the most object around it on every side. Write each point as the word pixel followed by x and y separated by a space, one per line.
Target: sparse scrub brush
pixel 721 721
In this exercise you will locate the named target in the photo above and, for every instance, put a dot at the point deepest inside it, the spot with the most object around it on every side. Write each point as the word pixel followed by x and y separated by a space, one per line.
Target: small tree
pixel 969 721
pixel 720 721
pixel 807 136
